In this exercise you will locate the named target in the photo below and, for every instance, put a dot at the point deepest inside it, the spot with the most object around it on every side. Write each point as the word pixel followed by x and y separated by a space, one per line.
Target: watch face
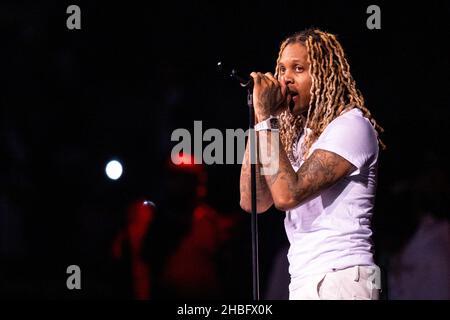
pixel 274 123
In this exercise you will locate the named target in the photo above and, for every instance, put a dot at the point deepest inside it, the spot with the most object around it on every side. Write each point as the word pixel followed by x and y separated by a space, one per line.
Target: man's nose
pixel 286 78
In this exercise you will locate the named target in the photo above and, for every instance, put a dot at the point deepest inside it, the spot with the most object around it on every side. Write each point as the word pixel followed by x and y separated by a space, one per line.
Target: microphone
pixel 244 81
pixel 247 82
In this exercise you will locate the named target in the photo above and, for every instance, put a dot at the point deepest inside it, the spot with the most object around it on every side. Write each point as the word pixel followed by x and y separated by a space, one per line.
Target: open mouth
pixel 292 100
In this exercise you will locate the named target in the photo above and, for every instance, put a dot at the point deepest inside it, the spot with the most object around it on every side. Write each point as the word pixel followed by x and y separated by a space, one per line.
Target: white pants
pixel 355 283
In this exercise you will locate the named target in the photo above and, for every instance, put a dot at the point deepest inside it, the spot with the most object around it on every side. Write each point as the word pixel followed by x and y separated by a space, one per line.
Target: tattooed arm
pixel 321 170
pixel 263 196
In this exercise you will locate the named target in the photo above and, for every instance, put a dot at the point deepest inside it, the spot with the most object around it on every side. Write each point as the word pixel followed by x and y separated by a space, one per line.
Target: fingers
pixel 256 78
pixel 280 84
pixel 268 78
pixel 260 79
pixel 270 91
pixel 272 79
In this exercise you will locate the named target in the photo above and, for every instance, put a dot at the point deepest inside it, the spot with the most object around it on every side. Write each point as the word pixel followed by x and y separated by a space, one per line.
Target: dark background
pixel 73 99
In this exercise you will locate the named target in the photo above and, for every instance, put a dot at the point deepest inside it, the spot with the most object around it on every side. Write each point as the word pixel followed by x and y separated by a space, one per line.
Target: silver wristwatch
pixel 269 124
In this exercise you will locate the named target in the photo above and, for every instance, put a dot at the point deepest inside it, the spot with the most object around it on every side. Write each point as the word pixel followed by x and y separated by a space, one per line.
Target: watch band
pixel 269 124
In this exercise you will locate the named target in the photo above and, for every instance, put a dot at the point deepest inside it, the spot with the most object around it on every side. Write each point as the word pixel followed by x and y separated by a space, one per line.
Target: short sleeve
pixel 352 137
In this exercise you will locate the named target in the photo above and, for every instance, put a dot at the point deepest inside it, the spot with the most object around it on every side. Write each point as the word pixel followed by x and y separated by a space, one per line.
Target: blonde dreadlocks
pixel 333 90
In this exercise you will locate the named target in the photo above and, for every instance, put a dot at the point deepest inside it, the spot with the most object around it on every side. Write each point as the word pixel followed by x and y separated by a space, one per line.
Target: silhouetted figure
pixel 175 249
pixel 127 247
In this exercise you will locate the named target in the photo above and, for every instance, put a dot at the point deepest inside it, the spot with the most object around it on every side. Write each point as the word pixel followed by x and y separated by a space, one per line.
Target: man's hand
pixel 269 95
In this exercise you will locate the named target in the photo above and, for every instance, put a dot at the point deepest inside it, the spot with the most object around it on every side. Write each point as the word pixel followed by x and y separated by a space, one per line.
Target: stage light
pixel 114 169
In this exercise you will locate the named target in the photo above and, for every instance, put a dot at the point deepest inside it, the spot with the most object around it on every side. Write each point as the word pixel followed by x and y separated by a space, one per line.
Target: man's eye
pixel 298 69
pixel 282 69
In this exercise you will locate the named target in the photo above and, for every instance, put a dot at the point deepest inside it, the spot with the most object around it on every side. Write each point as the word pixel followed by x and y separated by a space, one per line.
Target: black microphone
pixel 244 81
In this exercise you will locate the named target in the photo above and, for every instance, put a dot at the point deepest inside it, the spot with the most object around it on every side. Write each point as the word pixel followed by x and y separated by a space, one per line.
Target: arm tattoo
pixel 262 189
pixel 321 170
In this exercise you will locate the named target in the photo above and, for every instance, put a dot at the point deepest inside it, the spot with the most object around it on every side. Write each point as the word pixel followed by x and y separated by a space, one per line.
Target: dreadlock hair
pixel 333 91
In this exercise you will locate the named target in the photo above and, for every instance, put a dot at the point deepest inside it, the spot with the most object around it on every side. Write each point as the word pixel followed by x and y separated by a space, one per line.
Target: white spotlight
pixel 114 170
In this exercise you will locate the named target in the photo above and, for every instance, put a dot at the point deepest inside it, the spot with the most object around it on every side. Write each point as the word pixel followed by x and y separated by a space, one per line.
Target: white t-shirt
pixel 332 231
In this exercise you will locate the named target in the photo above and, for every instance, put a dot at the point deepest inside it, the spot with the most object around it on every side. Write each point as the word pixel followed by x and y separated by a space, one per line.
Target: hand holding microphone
pixel 270 96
